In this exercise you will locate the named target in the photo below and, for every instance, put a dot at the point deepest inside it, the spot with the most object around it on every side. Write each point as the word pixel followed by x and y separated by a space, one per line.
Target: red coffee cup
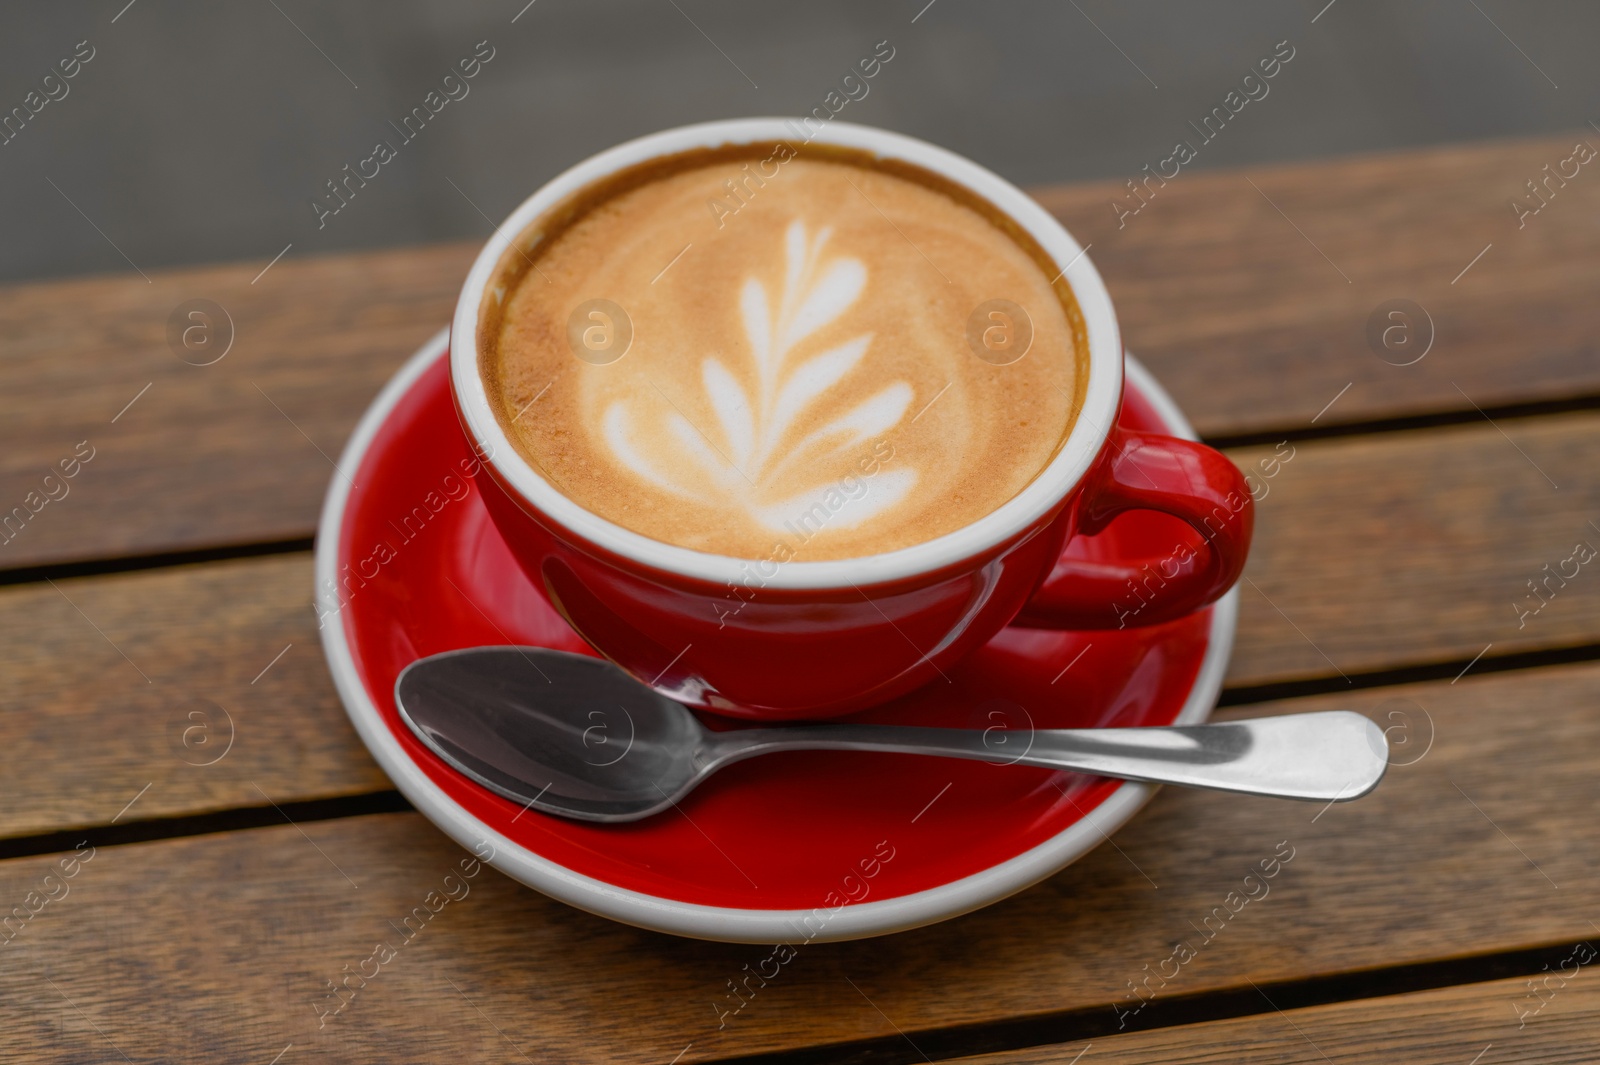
pixel 774 639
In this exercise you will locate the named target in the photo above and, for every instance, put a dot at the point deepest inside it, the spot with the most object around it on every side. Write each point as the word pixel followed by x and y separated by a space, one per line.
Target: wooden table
pixel 1444 919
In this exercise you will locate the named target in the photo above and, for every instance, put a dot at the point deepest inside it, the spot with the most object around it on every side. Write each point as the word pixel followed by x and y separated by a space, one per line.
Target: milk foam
pixel 798 375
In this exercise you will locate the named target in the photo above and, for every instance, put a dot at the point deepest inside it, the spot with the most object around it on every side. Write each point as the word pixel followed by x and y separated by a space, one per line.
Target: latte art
pixel 775 459
pixel 798 382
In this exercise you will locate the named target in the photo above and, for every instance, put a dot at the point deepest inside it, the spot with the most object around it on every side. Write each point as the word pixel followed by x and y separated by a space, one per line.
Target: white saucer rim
pixel 695 920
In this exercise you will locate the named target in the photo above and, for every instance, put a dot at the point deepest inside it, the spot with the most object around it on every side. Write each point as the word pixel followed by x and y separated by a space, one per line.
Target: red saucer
pixel 768 842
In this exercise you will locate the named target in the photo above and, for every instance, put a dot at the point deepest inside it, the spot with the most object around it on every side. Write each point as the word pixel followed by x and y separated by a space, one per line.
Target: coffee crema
pixel 769 352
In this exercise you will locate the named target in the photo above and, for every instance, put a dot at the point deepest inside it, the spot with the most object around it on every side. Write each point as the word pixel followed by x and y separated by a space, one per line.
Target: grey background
pixel 201 131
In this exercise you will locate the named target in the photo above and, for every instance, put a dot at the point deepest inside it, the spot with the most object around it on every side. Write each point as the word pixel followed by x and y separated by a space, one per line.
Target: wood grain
pixel 1449 1026
pixel 239 451
pixel 205 682
pixel 1371 553
pixel 1404 548
pixel 157 940
pixel 1248 292
pixel 1247 323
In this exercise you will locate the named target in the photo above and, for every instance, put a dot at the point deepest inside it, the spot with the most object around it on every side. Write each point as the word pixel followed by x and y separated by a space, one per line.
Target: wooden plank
pixel 1371 553
pixel 205 683
pixel 1403 548
pixel 233 452
pixel 1497 1021
pixel 1248 324
pixel 157 940
pixel 1248 292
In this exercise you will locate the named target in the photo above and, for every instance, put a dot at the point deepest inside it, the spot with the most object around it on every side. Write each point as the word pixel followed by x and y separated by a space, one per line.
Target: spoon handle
pixel 1329 756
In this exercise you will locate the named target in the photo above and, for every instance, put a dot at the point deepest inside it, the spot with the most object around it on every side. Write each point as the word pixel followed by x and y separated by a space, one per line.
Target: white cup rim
pixel 1010 519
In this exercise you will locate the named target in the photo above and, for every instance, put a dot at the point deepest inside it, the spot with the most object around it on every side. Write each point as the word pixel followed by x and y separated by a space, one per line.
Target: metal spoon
pixel 577 737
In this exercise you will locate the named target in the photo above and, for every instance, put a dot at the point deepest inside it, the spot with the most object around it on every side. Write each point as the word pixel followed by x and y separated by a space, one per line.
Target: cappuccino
pixel 762 345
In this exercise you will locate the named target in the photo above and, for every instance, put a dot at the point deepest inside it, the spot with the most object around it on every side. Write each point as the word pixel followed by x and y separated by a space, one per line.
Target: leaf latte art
pixel 797 378
pixel 763 460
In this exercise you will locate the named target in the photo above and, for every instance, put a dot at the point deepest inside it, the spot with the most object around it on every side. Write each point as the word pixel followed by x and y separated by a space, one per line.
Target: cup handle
pixel 1150 471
